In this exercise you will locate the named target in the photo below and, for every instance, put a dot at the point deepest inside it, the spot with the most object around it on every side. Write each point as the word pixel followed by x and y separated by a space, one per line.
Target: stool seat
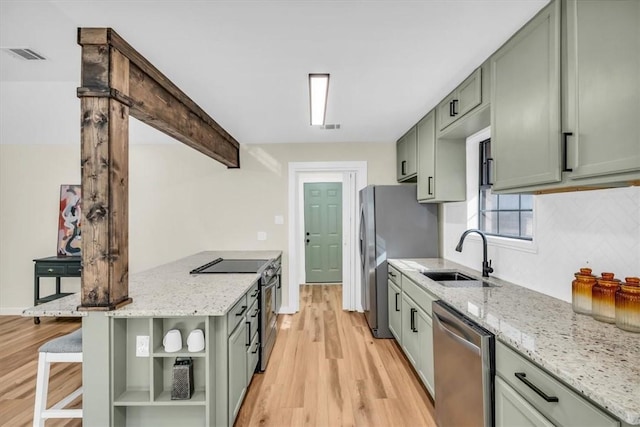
pixel 70 343
pixel 67 348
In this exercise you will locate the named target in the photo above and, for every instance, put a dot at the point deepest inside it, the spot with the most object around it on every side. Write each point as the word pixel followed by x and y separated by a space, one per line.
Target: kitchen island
pixel 126 385
pixel 596 359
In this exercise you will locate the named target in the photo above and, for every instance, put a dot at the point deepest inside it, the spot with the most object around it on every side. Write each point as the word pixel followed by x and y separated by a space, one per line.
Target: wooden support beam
pixel 117 82
pixel 152 93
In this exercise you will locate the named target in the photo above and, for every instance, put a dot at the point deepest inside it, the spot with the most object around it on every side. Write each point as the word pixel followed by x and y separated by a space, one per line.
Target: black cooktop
pixel 231 266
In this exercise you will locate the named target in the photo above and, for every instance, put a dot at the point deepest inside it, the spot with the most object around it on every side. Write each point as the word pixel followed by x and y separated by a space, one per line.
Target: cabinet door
pixel 512 410
pixel 394 309
pixel 603 86
pixel 426 157
pixel 425 353
pixel 406 153
pixel 446 111
pixel 525 104
pixel 410 343
pixel 469 94
pixel 237 369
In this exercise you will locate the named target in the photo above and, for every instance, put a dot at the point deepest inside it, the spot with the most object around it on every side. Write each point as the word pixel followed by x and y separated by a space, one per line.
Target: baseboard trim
pixel 11 311
pixel 286 310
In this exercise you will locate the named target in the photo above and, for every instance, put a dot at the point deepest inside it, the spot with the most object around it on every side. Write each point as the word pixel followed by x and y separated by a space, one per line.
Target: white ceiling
pixel 246 62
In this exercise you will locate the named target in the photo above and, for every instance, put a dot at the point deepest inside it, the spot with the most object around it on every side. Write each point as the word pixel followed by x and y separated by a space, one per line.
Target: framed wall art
pixel 69 234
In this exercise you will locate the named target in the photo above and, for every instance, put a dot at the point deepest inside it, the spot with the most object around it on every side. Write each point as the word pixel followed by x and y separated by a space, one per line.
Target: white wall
pixel 181 202
pixel 599 229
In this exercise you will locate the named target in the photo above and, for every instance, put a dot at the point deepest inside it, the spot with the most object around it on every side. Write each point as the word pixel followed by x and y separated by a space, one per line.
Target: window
pixel 505 215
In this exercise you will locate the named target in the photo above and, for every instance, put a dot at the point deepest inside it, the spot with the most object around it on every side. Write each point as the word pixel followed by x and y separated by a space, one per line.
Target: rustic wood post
pixel 105 173
pixel 117 82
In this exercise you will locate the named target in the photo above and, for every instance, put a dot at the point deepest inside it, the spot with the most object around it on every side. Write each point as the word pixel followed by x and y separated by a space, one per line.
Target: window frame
pixel 484 184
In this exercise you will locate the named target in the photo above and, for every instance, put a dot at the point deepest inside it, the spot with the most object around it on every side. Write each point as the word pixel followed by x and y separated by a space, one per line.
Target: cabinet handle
pixel 404 167
pixel 254 294
pixel 392 274
pixel 413 320
pixel 397 295
pixel 429 182
pixel 565 136
pixel 248 334
pixel 523 377
pixel 451 109
pixel 257 348
pixel 454 107
pixel 50 270
pixel 255 313
pixel 241 312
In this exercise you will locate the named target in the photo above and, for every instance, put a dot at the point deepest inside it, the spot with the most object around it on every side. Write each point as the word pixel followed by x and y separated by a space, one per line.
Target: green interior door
pixel 323 232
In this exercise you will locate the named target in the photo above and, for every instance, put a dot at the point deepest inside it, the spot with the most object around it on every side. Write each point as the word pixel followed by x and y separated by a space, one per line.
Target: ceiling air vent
pixel 24 53
pixel 337 126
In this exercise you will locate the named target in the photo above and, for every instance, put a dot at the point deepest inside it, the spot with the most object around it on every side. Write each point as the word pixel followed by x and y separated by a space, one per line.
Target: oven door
pixel 268 324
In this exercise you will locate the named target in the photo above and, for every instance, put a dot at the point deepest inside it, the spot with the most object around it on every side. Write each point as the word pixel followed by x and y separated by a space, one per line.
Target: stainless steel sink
pixel 456 279
pixel 440 276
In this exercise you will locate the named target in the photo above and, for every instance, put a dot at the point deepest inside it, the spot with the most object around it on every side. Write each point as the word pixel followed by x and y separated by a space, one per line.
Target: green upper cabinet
pixel 525 104
pixel 565 99
pixel 406 153
pixel 462 100
pixel 441 164
pixel 602 86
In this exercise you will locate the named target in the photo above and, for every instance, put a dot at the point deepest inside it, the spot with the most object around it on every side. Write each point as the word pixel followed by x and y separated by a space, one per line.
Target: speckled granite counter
pixel 169 290
pixel 595 358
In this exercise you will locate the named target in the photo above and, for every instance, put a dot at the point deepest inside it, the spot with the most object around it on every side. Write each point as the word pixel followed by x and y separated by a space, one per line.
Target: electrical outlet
pixel 262 235
pixel 142 346
pixel 279 220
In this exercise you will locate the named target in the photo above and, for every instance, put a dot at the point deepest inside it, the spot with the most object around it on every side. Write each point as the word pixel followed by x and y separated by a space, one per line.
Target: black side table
pixel 58 267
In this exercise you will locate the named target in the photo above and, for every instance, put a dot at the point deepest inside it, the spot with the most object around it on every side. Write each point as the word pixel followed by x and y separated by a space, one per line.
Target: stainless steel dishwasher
pixel 464 369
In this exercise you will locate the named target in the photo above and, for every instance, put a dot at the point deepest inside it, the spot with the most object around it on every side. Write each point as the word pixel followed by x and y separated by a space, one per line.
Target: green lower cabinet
pixel 425 357
pixel 512 410
pixel 417 340
pixel 237 369
pixel 394 309
pixel 253 355
pixel 410 343
pixel 527 395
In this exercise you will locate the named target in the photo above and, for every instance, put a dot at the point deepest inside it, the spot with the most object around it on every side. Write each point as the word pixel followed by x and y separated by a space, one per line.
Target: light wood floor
pixel 19 343
pixel 325 370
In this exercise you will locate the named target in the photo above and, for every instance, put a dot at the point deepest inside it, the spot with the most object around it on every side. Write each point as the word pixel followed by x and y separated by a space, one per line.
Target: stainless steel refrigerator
pixel 392 225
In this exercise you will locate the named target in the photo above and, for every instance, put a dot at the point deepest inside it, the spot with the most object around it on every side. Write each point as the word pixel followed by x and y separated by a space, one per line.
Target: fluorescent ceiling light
pixel 318 92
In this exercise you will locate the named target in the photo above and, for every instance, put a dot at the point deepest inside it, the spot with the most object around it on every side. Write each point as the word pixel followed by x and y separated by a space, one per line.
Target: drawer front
pixel 237 314
pixel 393 274
pixel 50 270
pixel 571 409
pixel 252 294
pixel 419 295
pixel 74 270
pixel 253 314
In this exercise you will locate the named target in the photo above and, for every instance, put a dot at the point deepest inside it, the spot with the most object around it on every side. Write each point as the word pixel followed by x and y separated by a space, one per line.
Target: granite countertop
pixel 597 359
pixel 169 290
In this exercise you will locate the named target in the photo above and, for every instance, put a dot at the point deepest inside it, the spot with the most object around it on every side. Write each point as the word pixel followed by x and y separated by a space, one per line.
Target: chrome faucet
pixel 486 266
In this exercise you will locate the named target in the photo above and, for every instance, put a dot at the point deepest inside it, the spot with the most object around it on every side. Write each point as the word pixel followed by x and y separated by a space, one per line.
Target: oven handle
pixel 271 282
pixel 269 285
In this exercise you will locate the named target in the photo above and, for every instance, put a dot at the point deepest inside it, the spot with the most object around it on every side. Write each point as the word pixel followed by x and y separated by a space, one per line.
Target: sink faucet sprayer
pixel 486 266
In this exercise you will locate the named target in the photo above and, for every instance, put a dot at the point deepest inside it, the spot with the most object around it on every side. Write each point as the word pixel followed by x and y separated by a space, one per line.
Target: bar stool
pixel 67 348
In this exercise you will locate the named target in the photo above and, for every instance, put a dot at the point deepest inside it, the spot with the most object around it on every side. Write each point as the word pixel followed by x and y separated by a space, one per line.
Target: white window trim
pixel 473 148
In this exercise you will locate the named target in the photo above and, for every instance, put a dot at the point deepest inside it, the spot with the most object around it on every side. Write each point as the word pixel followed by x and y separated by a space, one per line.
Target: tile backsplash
pixel 599 229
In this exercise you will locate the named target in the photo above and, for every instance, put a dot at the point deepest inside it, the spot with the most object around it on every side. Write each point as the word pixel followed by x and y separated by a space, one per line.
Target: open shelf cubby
pixel 147 381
